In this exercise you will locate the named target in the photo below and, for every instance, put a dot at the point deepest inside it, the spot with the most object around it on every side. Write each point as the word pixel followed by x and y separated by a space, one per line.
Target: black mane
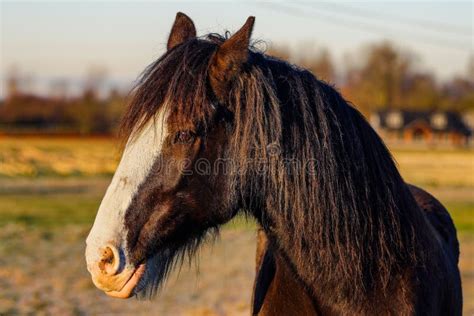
pixel 331 197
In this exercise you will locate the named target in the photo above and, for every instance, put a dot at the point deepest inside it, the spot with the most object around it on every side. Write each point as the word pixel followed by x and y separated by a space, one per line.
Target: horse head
pixel 167 191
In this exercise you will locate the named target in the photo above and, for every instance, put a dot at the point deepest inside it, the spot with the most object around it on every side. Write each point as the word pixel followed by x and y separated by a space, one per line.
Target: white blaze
pixel 138 157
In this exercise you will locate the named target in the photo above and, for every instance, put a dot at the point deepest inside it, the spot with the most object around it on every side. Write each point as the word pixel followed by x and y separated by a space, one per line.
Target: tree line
pixel 383 77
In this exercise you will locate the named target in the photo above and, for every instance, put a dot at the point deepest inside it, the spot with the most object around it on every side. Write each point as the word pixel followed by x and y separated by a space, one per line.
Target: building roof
pixel 438 121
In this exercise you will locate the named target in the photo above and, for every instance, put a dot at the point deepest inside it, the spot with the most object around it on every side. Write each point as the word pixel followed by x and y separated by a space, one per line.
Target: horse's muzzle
pixel 111 275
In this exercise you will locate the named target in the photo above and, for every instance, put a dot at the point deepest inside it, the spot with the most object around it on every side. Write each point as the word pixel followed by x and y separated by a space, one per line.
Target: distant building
pixel 428 127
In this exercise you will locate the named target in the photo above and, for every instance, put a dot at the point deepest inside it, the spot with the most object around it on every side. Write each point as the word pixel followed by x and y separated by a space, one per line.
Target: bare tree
pixel 379 82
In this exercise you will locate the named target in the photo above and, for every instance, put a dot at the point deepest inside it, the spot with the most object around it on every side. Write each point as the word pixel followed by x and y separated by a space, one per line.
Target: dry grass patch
pixel 40 157
pixel 437 168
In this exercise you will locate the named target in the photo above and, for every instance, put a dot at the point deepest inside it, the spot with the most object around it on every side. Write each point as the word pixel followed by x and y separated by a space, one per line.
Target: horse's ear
pixel 228 60
pixel 182 30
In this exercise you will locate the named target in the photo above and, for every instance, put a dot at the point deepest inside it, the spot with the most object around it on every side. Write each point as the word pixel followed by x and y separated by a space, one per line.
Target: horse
pixel 216 128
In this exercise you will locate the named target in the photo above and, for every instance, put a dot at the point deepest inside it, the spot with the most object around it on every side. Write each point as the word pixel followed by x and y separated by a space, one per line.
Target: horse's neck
pixel 277 291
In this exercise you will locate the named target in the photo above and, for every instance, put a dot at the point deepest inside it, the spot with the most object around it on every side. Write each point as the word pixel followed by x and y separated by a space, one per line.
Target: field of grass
pixel 57 157
pixel 437 168
pixel 85 157
pixel 50 190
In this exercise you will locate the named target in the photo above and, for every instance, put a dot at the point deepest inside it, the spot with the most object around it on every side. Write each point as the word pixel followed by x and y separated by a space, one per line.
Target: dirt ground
pixel 466 264
pixel 32 282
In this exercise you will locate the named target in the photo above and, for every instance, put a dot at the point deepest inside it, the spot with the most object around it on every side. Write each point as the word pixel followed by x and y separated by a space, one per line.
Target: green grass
pixel 462 213
pixel 241 222
pixel 53 210
pixel 48 210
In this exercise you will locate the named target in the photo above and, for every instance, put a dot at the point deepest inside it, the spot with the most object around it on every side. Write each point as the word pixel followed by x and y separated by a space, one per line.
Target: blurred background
pixel 66 69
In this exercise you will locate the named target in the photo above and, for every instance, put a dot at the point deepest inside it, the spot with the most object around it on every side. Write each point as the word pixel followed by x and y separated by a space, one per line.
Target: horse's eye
pixel 184 137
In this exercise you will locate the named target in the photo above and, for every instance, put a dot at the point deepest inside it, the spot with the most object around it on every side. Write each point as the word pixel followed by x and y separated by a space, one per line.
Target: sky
pixel 47 41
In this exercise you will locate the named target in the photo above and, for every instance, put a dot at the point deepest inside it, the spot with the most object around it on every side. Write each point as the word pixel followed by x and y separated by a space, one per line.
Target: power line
pixel 343 22
pixel 422 24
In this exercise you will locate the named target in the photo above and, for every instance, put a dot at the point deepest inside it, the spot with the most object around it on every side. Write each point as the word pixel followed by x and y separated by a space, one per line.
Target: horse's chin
pixel 132 286
pixel 150 276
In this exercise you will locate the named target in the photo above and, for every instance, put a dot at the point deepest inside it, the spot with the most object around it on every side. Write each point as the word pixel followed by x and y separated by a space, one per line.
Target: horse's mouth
pixel 128 288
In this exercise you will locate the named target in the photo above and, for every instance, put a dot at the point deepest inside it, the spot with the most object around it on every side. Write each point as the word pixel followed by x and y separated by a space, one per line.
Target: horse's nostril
pixel 110 260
